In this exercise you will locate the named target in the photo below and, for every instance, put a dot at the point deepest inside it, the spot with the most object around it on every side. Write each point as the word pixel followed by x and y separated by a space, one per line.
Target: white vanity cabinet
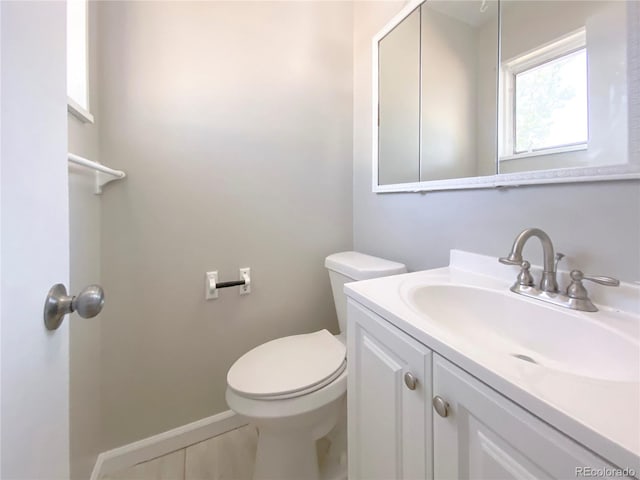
pixel 389 400
pixel 395 433
pixel 484 435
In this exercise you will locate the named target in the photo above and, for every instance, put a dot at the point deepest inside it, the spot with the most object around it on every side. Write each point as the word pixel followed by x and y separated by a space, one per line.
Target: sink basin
pixel 585 344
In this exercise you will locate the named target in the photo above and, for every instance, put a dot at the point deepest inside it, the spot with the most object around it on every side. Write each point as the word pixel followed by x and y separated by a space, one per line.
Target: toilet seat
pixel 288 367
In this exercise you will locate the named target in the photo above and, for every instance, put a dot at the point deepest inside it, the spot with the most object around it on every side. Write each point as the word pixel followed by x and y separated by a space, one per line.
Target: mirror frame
pixel 627 171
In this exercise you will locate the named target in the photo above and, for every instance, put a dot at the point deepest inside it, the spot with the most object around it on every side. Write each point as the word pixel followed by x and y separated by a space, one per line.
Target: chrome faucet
pixel 548 283
pixel 575 297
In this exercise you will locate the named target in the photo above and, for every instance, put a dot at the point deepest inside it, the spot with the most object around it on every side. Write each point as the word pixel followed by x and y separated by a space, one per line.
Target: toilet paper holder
pixel 212 283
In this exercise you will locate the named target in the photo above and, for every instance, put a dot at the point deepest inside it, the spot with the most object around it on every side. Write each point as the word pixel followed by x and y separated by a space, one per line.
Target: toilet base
pixel 288 429
pixel 287 449
pixel 286 455
pixel 287 445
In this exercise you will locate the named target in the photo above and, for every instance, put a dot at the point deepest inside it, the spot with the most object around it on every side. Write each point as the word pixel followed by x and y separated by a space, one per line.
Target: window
pixel 545 100
pixel 77 59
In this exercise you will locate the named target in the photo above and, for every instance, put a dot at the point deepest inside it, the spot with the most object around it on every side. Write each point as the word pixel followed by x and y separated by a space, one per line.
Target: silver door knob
pixel 410 381
pixel 88 303
pixel 441 406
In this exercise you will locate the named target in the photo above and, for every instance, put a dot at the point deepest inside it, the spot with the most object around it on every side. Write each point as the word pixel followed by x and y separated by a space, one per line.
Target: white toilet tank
pixel 352 266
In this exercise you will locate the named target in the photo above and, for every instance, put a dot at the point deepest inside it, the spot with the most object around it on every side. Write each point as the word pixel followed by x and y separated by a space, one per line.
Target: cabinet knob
pixel 441 406
pixel 410 381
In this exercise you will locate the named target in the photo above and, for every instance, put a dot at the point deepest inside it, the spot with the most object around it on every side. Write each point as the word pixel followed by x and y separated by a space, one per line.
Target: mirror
pixel 459 44
pixel 551 107
pixel 437 93
pixel 399 102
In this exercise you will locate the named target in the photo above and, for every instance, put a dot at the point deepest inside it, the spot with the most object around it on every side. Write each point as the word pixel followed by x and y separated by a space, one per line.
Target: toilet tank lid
pixel 359 266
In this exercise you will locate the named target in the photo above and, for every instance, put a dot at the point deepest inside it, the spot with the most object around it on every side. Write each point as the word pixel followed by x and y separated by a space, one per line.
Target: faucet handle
pixel 576 289
pixel 510 260
pixel 602 280
pixel 524 277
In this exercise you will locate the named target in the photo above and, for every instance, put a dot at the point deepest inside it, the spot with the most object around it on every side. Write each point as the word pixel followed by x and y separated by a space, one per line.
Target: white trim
pixel 629 171
pixel 545 151
pixel 78 111
pixel 76 106
pixel 158 445
pixel 397 18
pixel 552 50
pixel 488 181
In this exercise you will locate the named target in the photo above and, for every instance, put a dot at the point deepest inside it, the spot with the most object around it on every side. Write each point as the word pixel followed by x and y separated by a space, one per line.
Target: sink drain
pixel 526 358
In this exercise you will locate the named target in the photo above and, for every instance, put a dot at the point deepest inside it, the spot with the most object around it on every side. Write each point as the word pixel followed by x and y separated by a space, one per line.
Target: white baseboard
pixel 158 445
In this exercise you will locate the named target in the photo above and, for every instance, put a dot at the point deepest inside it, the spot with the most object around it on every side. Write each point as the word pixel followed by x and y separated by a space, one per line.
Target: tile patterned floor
pixel 229 456
pixel 226 457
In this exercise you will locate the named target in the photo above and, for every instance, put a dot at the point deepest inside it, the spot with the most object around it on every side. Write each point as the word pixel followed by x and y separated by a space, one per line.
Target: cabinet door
pixel 389 422
pixel 486 436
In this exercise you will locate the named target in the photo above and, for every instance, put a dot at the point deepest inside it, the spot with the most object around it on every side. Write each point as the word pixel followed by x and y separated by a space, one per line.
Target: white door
pixel 483 435
pixel 34 411
pixel 389 417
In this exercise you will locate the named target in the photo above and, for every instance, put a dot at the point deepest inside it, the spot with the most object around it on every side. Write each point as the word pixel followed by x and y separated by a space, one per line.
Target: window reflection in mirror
pixel 459 49
pixel 563 88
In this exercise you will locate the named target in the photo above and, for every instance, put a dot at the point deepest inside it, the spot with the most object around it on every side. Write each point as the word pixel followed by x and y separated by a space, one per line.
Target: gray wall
pixel 84 335
pixel 233 121
pixel 236 123
pixel 596 225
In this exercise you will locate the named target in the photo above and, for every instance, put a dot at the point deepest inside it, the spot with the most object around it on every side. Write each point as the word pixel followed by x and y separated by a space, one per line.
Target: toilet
pixel 293 389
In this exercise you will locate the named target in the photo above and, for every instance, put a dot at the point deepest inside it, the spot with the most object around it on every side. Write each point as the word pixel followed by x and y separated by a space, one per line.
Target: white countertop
pixel 602 415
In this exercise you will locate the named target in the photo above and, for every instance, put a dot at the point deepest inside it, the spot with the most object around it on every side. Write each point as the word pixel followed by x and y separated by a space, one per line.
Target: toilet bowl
pixel 293 389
